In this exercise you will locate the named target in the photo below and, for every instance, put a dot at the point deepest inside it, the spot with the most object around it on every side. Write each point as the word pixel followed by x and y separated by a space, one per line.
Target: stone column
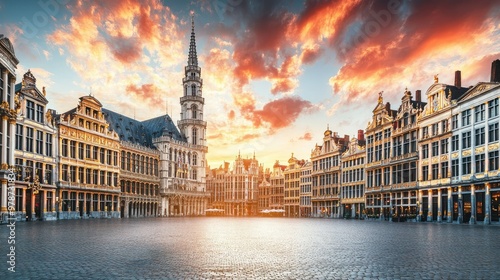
pixel 98 203
pixel 44 204
pixel 429 206
pixel 487 197
pixel 420 206
pixel 450 206
pixel 460 206
pixel 12 125
pixel 4 139
pixel 473 204
pixel 84 202
pixel 23 208
pixel 440 210
pixel 3 207
pixel 390 207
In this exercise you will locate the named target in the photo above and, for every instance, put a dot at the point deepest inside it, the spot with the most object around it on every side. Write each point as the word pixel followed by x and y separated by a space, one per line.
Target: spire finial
pixel 193 57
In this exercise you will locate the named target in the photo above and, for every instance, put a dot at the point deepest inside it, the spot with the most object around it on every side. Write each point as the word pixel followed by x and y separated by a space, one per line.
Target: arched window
pixel 195 135
pixel 194 110
pixel 195 159
pixel 193 90
pixel 185 90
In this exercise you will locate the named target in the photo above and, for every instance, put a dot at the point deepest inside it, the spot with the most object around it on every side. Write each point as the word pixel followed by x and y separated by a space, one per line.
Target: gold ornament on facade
pixel 43 91
pixel 436 80
pixel 17 102
pixel 5 166
pixel 466 153
pixel 454 155
pixel 479 150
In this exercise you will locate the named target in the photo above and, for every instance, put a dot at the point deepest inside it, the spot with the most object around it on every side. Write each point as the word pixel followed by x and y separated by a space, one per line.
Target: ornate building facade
pixel 182 156
pixel 292 187
pixel 325 175
pixel 35 152
pixel 305 204
pixel 88 163
pixel 352 190
pixel 8 114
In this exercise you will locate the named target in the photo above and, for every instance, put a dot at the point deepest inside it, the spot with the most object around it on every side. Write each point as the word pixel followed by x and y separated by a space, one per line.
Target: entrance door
pixel 38 206
pixel 29 194
pixel 495 203
pixel 480 206
pixel 467 207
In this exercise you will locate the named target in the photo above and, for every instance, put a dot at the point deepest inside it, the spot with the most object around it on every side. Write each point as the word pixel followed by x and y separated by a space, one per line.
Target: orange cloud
pixel 307 136
pixel 280 113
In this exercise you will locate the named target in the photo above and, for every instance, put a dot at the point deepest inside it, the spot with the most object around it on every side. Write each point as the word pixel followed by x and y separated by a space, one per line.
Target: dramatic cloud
pixel 307 136
pixel 108 43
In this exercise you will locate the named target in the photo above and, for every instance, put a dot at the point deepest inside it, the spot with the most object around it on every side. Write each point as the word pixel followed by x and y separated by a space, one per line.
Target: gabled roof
pixel 456 92
pixel 478 89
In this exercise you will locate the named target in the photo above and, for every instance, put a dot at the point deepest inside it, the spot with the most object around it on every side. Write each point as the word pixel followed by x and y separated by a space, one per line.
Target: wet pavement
pixel 249 248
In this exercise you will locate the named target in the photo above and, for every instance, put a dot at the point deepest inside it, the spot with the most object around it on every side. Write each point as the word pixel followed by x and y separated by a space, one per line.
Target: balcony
pixel 192 68
pixel 192 122
pixel 404 156
pixel 190 78
pixel 193 98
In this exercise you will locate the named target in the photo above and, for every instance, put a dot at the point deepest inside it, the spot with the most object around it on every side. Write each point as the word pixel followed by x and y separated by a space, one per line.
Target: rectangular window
pixel 493 132
pixel 466 140
pixel 425 173
pixel 435 171
pixel 72 174
pixel 454 122
pixel 444 146
pixel 39 113
pixel 19 137
pixel 466 165
pixel 466 117
pixel 444 126
pixel 64 172
pixel 81 177
pixel 108 157
pixel 29 139
pixel 64 148
pixel 435 129
pixel 39 142
pixel 87 151
pixel 454 168
pixel 80 150
pixel 444 170
pixel 479 113
pixel 479 136
pixel 454 143
pixel 479 160
pixel 493 161
pixel 102 155
pixel 30 110
pixel 435 148
pixel 493 108
pixel 48 145
pixel 425 151
pixel 95 152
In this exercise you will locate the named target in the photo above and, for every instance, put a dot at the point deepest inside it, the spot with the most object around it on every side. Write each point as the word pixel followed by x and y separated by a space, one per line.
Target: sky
pixel 276 73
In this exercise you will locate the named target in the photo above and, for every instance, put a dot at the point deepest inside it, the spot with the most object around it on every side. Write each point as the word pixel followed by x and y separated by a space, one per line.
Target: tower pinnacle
pixel 192 58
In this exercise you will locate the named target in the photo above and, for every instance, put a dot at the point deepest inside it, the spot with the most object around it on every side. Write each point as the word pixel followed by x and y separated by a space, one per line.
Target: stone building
pixel 292 187
pixel 325 175
pixel 88 163
pixel 139 163
pixel 435 138
pixel 8 114
pixel 182 155
pixel 35 152
pixel 305 204
pixel 352 189
pixel 277 188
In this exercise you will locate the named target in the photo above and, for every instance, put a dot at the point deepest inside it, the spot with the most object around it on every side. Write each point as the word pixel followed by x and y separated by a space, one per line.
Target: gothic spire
pixel 192 58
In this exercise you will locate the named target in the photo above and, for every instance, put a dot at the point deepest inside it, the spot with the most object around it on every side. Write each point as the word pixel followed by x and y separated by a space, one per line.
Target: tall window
pixel 454 122
pixel 194 110
pixel 72 149
pixel 454 143
pixel 493 108
pixel 493 132
pixel 435 171
pixel 425 172
pixel 493 161
pixel 444 146
pixel 425 151
pixel 479 160
pixel 39 113
pixel 48 145
pixel 39 142
pixel 195 136
pixel 479 136
pixel 193 90
pixel 454 168
pixel 64 148
pixel 30 110
pixel 195 159
pixel 29 139
pixel 435 148
pixel 444 169
pixel 466 117
pixel 466 140
pixel 19 137
pixel 466 165
pixel 479 113
pixel 80 151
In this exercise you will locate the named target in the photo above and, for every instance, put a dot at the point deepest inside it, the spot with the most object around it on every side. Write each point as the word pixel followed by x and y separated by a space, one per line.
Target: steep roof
pixel 141 133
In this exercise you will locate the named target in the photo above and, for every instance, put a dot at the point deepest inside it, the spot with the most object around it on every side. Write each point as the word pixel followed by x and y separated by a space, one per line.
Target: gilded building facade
pixel 325 175
pixel 35 150
pixel 88 163
pixel 216 186
pixel 352 190
pixel 277 187
pixel 292 187
pixel 8 114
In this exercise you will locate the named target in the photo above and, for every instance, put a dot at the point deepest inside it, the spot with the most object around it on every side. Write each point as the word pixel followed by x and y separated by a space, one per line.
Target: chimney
pixel 495 71
pixel 361 135
pixel 418 95
pixel 458 79
pixel 388 107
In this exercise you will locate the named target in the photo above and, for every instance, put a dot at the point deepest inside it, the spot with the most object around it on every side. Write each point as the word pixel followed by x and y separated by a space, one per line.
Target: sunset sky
pixel 275 73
